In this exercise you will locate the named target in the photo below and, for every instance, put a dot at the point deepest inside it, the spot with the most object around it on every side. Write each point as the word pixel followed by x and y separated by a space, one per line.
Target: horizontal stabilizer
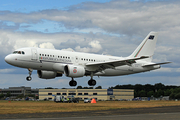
pixel 148 65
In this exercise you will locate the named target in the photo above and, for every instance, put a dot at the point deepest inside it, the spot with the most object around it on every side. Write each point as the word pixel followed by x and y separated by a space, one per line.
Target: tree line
pixel 157 90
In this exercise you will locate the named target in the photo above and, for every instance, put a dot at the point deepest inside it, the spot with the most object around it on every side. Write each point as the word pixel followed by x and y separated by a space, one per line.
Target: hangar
pixel 99 94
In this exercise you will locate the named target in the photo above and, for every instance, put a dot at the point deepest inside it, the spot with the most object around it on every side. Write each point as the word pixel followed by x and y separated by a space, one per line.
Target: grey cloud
pixel 122 16
pixel 68 43
pixel 4 26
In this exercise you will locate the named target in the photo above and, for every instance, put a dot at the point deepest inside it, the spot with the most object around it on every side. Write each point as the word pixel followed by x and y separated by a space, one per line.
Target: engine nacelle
pixel 48 74
pixel 74 71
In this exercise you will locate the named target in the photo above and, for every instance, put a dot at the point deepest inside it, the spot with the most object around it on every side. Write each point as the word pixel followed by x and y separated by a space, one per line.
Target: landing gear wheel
pixel 91 82
pixel 72 82
pixel 28 78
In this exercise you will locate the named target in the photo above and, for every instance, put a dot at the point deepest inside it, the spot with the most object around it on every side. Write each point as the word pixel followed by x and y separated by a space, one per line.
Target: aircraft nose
pixel 8 58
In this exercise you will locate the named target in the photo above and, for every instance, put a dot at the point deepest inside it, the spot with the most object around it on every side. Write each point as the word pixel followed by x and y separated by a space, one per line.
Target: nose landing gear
pixel 29 78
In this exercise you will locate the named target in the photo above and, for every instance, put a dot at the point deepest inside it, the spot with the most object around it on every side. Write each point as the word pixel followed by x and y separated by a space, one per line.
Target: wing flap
pixel 148 65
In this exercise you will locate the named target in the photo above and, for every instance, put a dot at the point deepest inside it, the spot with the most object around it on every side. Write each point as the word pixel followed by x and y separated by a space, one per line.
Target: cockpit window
pixel 15 52
pixel 19 52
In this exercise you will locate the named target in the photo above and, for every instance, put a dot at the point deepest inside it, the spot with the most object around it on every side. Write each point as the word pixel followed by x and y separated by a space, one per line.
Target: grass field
pixel 13 107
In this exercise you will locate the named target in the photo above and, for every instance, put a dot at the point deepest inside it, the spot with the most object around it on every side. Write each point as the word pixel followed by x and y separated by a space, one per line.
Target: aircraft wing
pixel 115 63
pixel 148 65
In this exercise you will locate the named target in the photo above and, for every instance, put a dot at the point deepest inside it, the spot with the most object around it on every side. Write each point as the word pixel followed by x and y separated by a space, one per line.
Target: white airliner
pixel 53 63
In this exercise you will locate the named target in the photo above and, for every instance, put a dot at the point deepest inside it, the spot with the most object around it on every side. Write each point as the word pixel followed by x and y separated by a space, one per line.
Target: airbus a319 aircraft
pixel 51 63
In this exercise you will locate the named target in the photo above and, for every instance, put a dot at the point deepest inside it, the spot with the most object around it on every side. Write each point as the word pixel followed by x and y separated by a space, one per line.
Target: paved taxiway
pixel 158 116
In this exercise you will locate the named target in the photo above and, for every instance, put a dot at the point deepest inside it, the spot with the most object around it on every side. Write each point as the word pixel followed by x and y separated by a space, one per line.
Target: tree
pixel 156 90
pixel 99 87
pixel 30 95
pixel 138 87
pixel 150 93
pixel 79 87
pixel 160 93
pixel 172 96
pixel 158 86
pixel 176 90
pixel 87 88
pixel 177 96
pixel 49 88
pixel 148 87
pixel 167 92
pixel 20 96
pixel 142 93
pixel 136 94
pixel 8 94
pixel 1 95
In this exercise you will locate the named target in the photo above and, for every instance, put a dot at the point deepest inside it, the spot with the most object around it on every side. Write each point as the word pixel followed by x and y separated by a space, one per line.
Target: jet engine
pixel 74 71
pixel 48 74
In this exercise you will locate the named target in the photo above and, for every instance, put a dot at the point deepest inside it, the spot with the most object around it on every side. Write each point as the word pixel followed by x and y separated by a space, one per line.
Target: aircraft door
pixel 76 59
pixel 34 54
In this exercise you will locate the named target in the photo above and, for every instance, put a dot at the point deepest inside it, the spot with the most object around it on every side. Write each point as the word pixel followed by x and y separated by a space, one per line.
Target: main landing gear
pixel 72 82
pixel 29 78
pixel 91 82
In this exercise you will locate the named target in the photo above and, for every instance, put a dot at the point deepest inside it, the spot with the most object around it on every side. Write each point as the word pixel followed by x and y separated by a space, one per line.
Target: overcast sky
pixel 114 27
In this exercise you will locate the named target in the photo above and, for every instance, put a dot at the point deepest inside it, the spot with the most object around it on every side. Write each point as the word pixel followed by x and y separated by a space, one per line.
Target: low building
pixel 99 94
pixel 15 91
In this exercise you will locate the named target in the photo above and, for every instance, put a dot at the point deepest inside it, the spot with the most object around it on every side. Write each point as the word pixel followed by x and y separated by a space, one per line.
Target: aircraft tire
pixel 91 82
pixel 72 83
pixel 28 78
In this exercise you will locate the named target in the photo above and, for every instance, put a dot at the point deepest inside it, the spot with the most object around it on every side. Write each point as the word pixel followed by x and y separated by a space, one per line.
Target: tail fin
pixel 147 47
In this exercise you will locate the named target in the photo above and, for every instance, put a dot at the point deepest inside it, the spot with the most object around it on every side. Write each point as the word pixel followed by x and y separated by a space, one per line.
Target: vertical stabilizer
pixel 147 47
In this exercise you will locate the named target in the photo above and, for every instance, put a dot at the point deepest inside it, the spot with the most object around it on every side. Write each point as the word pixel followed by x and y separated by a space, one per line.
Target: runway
pixel 158 116
pixel 155 113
